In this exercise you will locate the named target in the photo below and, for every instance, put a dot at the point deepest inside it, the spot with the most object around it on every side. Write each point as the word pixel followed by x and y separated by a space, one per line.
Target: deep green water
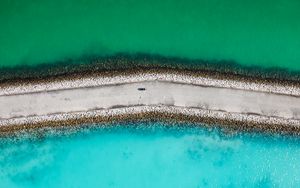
pixel 149 155
pixel 251 32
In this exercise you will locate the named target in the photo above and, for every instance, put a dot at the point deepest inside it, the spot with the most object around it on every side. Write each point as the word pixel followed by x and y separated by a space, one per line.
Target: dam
pixel 105 98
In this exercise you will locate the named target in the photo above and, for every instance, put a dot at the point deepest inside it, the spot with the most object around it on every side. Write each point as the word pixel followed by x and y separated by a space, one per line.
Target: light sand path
pixel 156 93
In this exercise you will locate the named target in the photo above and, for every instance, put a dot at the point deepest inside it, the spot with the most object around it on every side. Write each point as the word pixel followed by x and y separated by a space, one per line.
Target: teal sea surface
pixel 149 155
pixel 249 32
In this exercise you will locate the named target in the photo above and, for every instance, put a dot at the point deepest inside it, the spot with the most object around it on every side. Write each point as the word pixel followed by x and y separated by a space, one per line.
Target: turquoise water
pixel 250 32
pixel 133 155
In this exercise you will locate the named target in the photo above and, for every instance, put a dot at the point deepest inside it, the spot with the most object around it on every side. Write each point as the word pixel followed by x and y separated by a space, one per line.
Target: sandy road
pixel 149 93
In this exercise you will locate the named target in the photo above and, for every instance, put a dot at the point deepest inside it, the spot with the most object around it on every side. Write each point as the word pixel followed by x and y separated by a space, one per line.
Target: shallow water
pixel 149 155
pixel 263 33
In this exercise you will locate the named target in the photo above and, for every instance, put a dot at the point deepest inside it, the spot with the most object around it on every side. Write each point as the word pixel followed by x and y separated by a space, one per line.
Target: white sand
pixel 255 105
